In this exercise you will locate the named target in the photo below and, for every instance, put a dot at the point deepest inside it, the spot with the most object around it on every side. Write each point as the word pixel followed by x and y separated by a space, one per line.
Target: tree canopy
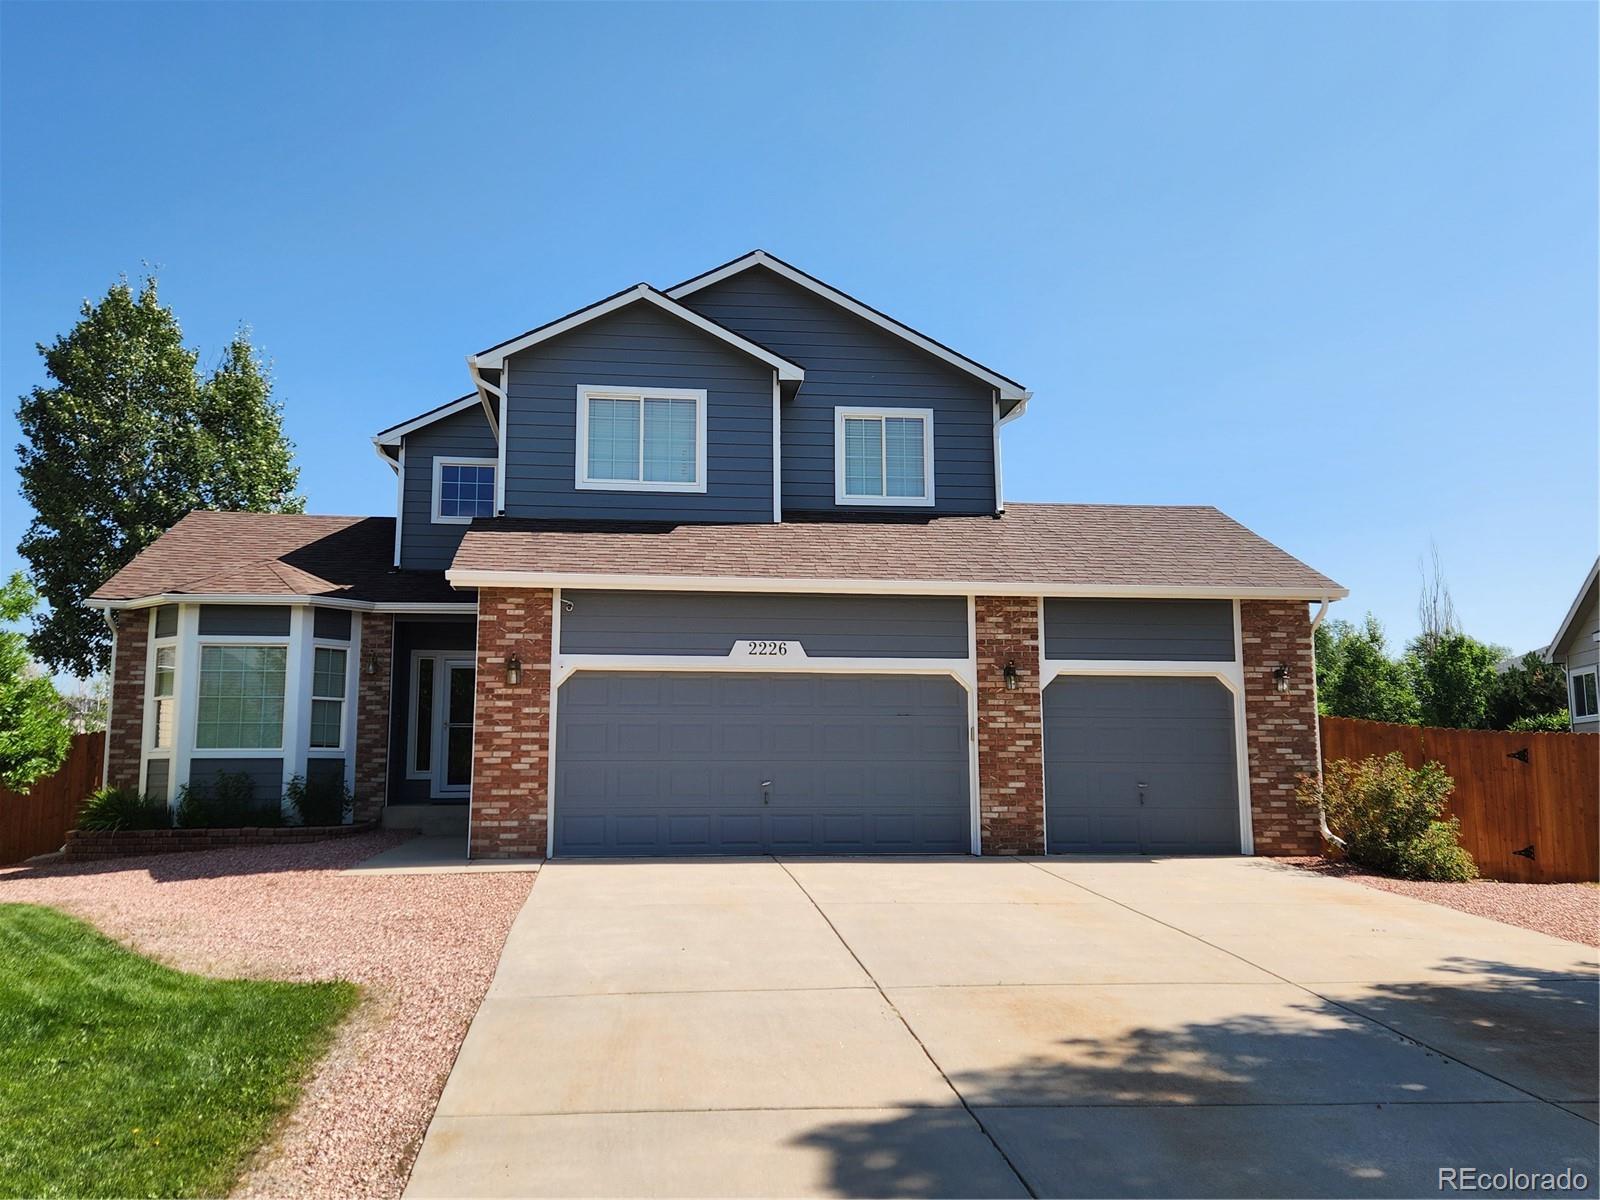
pixel 126 438
pixel 35 726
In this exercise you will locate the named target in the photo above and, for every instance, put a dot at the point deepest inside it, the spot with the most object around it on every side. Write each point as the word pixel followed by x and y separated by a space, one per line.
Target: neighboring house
pixel 1576 647
pixel 726 568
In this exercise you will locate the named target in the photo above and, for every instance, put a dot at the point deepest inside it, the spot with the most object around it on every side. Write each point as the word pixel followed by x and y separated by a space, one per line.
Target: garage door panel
pixel 1104 737
pixel 857 764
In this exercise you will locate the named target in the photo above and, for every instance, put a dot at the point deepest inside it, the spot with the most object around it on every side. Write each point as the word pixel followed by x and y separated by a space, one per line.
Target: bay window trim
pixel 342 700
pixel 286 739
pixel 595 391
pixel 841 494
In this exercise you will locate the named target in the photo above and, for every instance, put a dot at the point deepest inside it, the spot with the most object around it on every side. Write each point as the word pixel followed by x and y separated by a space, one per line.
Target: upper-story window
pixel 463 488
pixel 642 439
pixel 883 456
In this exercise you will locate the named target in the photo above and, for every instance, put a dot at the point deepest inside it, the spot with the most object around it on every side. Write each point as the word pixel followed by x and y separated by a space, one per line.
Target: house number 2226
pixel 766 649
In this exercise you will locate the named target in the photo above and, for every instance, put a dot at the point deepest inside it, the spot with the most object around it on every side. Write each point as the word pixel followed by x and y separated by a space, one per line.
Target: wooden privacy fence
pixel 1533 792
pixel 38 822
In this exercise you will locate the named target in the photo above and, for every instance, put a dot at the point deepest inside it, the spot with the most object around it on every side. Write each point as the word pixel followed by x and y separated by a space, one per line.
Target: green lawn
pixel 121 1077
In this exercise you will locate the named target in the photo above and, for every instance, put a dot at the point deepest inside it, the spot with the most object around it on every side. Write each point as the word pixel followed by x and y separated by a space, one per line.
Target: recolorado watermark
pixel 1476 1179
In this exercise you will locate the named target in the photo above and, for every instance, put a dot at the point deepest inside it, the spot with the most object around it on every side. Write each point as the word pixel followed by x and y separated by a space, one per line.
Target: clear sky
pixel 1331 267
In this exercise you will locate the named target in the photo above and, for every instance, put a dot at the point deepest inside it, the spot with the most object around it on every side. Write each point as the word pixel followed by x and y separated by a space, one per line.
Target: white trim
pixel 999 477
pixel 1241 735
pixel 505 424
pixel 550 731
pixel 848 412
pixel 391 437
pixel 485 390
pixel 1572 613
pixel 439 725
pixel 564 666
pixel 1008 389
pixel 777 451
pixel 471 577
pixel 382 606
pixel 1572 694
pixel 1229 672
pixel 495 357
pixel 399 501
pixel 442 461
pixel 595 391
pixel 343 701
pixel 188 698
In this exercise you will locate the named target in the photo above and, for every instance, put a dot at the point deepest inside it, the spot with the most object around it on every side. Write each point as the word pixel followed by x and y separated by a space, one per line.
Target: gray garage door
pixel 671 763
pixel 1140 766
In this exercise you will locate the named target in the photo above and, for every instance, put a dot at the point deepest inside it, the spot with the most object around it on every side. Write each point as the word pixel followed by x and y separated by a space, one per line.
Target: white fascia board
pixel 465 577
pixel 398 606
pixel 1572 613
pixel 391 437
pixel 760 258
pixel 383 453
pixel 485 391
pixel 496 358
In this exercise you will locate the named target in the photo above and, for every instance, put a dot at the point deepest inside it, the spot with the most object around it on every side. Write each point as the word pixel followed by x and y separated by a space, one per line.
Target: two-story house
pixel 726 568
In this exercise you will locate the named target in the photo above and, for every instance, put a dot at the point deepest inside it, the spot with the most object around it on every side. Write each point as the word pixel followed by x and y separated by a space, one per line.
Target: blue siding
pixel 425 546
pixel 1166 630
pixel 638 346
pixel 850 361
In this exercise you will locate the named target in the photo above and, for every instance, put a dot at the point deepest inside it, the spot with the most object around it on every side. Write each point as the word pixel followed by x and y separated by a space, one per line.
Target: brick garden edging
pixel 85 845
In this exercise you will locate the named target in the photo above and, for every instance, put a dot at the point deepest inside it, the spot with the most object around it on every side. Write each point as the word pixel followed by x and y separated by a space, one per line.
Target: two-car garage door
pixel 743 763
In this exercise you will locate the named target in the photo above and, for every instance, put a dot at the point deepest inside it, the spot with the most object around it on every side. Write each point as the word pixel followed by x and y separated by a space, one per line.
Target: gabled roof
pixel 1033 549
pixel 392 435
pixel 1011 392
pixel 1573 612
pixel 641 293
pixel 275 557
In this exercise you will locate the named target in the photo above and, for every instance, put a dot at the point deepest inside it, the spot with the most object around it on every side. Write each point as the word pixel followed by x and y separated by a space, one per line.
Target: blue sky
pixel 1331 268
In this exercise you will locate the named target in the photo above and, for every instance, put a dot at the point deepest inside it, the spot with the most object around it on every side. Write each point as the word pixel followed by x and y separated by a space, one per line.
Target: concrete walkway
pixel 971 1027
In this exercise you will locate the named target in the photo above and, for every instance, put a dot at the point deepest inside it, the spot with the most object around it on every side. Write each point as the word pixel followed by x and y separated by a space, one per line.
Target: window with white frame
pixel 1585 702
pixel 163 696
pixel 883 456
pixel 463 488
pixel 644 439
pixel 240 704
pixel 327 698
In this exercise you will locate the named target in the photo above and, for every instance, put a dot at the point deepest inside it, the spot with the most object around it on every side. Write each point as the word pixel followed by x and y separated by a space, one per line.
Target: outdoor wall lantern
pixel 1280 675
pixel 1011 676
pixel 371 664
pixel 513 670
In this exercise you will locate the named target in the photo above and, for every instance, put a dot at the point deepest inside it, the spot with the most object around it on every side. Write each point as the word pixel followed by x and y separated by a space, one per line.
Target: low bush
pixel 1391 818
pixel 1554 722
pixel 226 801
pixel 320 801
pixel 113 808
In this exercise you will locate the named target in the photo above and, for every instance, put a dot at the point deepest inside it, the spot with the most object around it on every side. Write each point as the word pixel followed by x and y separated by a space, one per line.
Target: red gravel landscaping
pixel 422 947
pixel 1564 910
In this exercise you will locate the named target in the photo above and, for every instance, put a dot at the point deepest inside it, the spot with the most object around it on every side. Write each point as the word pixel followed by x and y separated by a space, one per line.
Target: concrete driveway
pixel 973 1027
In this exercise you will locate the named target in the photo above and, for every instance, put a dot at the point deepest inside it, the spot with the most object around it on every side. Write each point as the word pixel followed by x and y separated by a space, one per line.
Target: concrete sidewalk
pixel 971 1027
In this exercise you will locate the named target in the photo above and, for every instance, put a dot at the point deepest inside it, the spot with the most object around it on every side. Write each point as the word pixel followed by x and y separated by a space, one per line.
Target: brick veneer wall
pixel 1010 726
pixel 85 844
pixel 1280 727
pixel 511 736
pixel 125 721
pixel 373 694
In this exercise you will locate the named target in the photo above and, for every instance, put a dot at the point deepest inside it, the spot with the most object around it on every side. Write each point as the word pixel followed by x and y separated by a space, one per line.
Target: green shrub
pixel 1553 722
pixel 1391 818
pixel 113 808
pixel 320 801
pixel 225 802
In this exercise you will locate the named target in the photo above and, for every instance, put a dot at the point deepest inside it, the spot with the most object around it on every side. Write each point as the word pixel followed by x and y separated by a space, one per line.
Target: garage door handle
pixel 766 788
pixel 1141 787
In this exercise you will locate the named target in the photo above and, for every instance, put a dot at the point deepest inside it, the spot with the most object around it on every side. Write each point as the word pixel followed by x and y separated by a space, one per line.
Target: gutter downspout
pixel 1322 816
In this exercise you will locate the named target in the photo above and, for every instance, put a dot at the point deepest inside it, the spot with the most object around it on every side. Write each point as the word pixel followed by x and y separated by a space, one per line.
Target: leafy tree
pixel 1357 678
pixel 126 439
pixel 35 732
pixel 1452 678
pixel 1554 722
pixel 1533 689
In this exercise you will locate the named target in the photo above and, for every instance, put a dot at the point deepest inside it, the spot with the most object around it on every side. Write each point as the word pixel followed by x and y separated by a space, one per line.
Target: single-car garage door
pixel 737 763
pixel 1140 765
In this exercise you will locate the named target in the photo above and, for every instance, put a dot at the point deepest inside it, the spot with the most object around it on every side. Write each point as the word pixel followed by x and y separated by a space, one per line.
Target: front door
pixel 452 732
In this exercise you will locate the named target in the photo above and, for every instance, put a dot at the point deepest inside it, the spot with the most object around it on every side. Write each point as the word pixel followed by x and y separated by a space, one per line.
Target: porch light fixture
pixel 513 670
pixel 1011 676
pixel 370 666
pixel 1280 675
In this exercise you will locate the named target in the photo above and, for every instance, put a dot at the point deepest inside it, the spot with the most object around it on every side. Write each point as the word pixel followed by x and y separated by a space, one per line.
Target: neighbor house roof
pixel 274 557
pixel 1060 549
pixel 1010 391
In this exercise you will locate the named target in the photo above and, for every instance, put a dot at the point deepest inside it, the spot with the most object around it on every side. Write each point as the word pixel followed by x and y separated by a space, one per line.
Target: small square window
pixel 883 456
pixel 463 489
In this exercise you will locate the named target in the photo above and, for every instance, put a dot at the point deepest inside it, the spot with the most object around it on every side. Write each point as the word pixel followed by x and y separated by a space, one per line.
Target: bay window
pixel 240 704
pixel 327 698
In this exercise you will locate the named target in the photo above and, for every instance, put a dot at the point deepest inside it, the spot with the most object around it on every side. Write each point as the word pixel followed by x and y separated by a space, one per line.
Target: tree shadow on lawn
pixel 1316 1101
